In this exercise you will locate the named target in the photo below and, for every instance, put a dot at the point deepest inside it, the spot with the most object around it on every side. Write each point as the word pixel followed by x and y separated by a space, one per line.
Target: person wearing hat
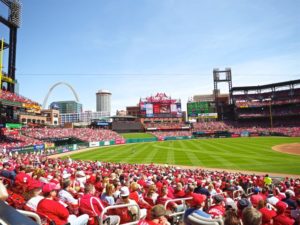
pixel 217 210
pixel 55 210
pixel 196 207
pixel 242 204
pixel 255 197
pixel 157 216
pixel 281 218
pixel 35 194
pixel 130 213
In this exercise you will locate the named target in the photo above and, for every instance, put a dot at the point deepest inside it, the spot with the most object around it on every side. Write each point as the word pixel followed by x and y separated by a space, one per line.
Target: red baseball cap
pixel 281 206
pixel 198 199
pixel 34 184
pixel 49 187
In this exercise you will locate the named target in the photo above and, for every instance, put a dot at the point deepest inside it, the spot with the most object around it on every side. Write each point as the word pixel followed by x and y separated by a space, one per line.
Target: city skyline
pixel 138 49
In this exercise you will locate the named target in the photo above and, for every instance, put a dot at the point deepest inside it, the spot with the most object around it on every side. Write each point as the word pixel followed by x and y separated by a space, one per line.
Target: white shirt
pixel 67 197
pixel 34 201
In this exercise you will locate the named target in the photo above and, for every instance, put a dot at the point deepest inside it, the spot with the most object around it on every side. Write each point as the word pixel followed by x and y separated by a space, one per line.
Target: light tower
pixel 13 23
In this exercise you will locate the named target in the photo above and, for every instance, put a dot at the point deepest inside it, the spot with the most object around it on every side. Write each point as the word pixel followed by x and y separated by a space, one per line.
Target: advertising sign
pixel 94 144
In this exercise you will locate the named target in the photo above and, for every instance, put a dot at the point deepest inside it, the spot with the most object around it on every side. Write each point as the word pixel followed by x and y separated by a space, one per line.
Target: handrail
pixel 233 194
pixel 183 200
pixel 33 215
pixel 249 190
pixel 121 206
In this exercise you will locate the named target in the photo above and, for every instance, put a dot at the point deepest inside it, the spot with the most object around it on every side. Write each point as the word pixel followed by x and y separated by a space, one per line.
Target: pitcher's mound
pixel 293 148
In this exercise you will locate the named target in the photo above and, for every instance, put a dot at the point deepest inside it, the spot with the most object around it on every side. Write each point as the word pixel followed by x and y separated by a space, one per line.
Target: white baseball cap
pixel 124 191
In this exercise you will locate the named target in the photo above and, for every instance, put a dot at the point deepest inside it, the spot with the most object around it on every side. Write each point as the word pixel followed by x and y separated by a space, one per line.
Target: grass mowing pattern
pixel 253 154
pixel 137 135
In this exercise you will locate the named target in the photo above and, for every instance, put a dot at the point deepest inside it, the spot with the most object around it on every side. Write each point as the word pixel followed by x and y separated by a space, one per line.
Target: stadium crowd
pixel 13 97
pixel 161 135
pixel 65 190
pixel 83 134
pixel 165 126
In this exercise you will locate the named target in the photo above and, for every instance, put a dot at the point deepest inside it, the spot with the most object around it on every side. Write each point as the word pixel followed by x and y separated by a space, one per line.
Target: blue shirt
pixel 197 211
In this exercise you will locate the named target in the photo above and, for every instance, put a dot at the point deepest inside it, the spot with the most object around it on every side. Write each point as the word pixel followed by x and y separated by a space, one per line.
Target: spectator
pixel 290 202
pixel 217 210
pixel 157 216
pixel 231 217
pixel 251 216
pixel 107 196
pixel 91 204
pixel 3 192
pixel 196 207
pixel 132 210
pixel 35 195
pixel 281 218
pixel 55 210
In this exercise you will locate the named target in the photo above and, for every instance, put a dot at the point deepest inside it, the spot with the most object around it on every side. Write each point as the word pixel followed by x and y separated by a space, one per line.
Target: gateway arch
pixel 54 86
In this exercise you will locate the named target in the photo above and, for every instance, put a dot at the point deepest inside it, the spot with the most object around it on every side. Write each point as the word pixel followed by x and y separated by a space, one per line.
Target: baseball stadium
pixel 226 155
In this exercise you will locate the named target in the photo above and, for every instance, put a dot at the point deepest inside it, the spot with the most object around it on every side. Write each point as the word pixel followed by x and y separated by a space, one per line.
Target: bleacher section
pixel 31 177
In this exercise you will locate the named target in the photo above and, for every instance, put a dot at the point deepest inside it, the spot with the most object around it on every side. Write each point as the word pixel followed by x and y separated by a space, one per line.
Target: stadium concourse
pixel 66 190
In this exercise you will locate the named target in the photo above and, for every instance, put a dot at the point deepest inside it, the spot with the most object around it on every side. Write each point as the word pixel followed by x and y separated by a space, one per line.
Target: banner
pixel 120 141
pixel 94 144
pixel 149 110
pixel 49 145
pixel 38 147
pixel 75 147
pixel 106 143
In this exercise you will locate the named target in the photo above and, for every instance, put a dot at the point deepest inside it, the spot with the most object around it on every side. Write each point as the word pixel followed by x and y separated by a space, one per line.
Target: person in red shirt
pixel 22 179
pixel 217 210
pixel 267 216
pixel 281 218
pixel 157 216
pixel 93 205
pixel 255 197
pixel 179 192
pixel 55 210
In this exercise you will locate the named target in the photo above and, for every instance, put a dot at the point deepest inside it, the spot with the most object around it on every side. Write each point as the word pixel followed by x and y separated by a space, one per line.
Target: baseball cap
pixel 218 198
pixel 34 184
pixel 243 203
pixel 49 187
pixel 198 199
pixel 158 211
pixel 229 202
pixel 124 191
pixel 281 206
pixel 256 190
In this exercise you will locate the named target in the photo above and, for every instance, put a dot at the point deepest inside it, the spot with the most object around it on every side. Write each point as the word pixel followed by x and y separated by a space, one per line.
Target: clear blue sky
pixel 136 48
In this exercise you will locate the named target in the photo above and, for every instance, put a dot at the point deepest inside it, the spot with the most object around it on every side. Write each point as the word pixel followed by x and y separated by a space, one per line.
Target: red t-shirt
pixel 54 210
pixel 216 210
pixel 283 220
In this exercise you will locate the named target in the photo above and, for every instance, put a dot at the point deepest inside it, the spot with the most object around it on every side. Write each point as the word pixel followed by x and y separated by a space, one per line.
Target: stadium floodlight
pixel 15 12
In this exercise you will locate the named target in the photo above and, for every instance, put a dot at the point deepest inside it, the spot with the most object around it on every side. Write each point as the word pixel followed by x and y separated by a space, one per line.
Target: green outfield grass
pixel 253 154
pixel 137 135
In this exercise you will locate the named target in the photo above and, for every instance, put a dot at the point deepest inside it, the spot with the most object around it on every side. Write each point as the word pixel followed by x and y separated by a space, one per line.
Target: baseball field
pixel 243 154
